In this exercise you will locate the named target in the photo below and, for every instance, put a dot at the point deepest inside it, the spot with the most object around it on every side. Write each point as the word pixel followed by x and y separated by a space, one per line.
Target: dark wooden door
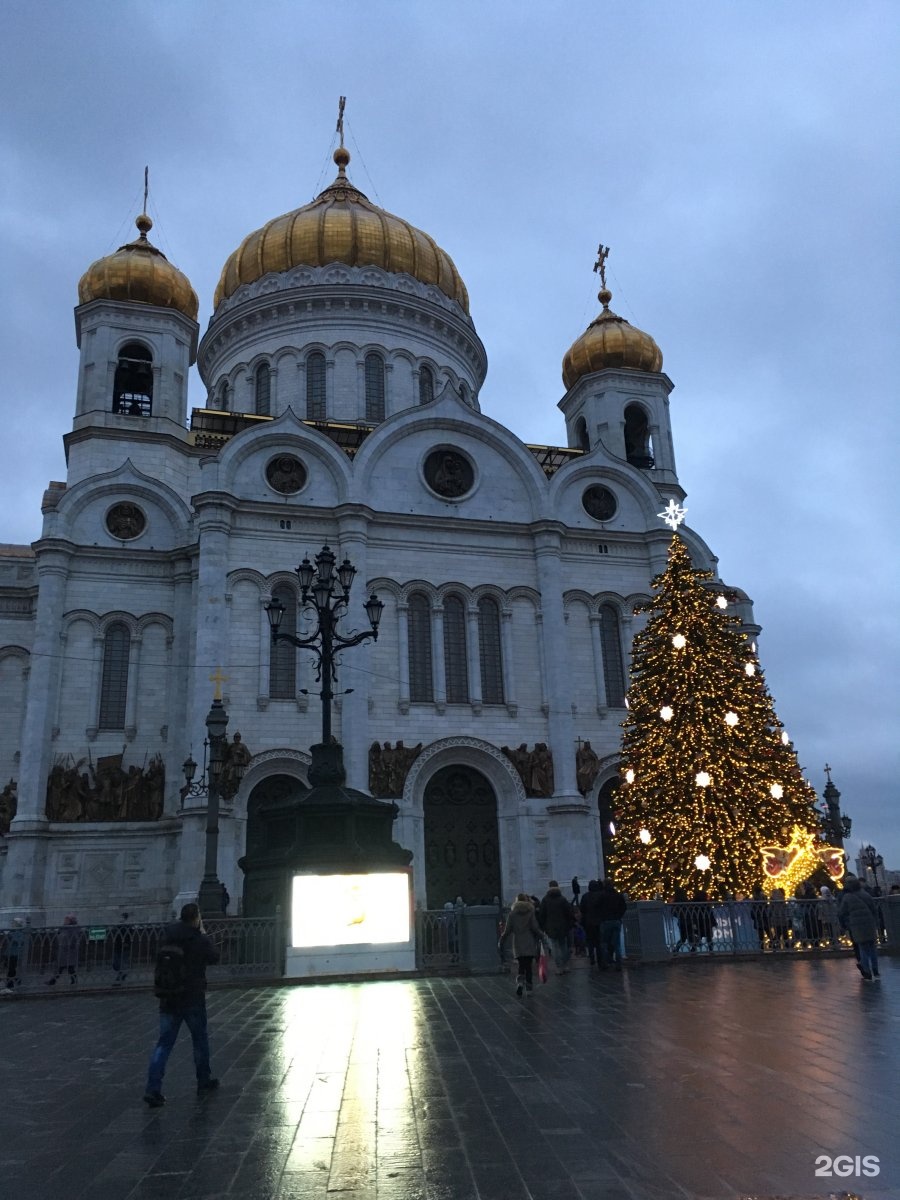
pixel 462 850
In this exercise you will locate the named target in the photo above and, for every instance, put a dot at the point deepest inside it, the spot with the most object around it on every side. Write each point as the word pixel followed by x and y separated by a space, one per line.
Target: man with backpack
pixel 180 984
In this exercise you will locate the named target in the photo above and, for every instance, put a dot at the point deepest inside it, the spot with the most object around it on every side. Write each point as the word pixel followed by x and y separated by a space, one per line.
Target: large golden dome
pixel 609 341
pixel 341 225
pixel 139 272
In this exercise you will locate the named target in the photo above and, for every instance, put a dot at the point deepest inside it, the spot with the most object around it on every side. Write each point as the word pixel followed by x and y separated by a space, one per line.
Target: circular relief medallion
pixel 449 473
pixel 286 474
pixel 599 503
pixel 125 521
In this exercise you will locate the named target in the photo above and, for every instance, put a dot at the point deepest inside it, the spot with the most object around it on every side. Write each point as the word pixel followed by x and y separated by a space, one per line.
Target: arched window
pixel 222 397
pixel 374 387
pixel 581 435
pixel 611 641
pixel 638 449
pixel 426 385
pixel 489 651
pixel 263 389
pixel 421 688
pixel 315 386
pixel 283 656
pixel 114 678
pixel 133 384
pixel 455 663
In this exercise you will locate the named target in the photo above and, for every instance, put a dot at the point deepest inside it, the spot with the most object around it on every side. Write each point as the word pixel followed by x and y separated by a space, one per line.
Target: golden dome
pixel 341 225
pixel 140 273
pixel 609 341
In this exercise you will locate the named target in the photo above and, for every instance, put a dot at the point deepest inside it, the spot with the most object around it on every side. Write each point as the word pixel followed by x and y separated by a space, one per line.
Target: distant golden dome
pixel 139 272
pixel 609 341
pixel 341 225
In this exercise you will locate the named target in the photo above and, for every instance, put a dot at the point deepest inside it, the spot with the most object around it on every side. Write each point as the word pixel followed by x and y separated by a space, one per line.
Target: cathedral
pixel 343 375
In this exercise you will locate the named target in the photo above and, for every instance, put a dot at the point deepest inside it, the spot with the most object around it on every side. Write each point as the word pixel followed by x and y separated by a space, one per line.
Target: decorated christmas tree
pixel 712 796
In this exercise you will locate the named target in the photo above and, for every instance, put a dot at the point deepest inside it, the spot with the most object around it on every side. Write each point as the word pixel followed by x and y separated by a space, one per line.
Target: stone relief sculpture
pixel 388 768
pixel 534 767
pixel 587 767
pixel 105 791
pixel 237 756
pixel 9 800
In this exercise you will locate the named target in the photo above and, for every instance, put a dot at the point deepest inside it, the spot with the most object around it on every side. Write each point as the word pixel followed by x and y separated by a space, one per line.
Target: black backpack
pixel 170 974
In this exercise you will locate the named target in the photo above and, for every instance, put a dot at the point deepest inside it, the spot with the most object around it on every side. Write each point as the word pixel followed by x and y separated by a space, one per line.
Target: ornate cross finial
pixel 828 772
pixel 218 679
pixel 673 514
pixel 146 186
pixel 342 100
pixel 600 264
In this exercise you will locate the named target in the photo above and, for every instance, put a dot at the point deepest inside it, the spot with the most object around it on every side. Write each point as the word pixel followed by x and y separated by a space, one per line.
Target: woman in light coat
pixel 523 931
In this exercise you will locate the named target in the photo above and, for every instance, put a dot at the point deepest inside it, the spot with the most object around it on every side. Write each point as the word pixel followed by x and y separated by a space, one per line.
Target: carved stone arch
pixel 281 761
pixel 525 593
pixel 16 652
pixel 615 600
pixel 246 575
pixel 133 339
pixel 80 614
pixel 117 617
pixel 313 348
pixel 495 593
pixel 285 432
pixel 485 757
pixel 630 603
pixel 352 347
pixel 135 484
pixel 402 353
pixel 382 584
pixel 419 585
pixel 280 579
pixel 454 589
pixel 285 355
pixel 578 596
pixel 155 618
pixel 262 359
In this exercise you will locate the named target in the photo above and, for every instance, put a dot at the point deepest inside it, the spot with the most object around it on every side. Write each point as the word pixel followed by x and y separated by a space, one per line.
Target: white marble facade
pixel 189 589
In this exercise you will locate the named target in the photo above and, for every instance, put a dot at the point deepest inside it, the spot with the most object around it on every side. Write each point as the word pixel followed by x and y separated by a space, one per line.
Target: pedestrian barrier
pixel 756 927
pixel 99 957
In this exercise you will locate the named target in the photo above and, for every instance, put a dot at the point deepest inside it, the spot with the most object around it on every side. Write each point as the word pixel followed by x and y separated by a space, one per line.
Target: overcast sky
pixel 740 159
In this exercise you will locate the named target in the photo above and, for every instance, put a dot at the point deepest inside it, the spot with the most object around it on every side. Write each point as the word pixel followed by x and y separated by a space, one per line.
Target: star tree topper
pixel 673 514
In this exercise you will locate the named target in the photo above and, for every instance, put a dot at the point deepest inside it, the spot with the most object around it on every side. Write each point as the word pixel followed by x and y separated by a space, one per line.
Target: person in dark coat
pixel 68 947
pixel 556 919
pixel 523 931
pixel 576 890
pixel 199 952
pixel 590 920
pixel 701 920
pixel 858 914
pixel 611 907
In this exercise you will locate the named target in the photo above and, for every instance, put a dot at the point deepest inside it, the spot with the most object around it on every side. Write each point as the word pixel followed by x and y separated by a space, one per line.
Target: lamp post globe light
pixel 325 591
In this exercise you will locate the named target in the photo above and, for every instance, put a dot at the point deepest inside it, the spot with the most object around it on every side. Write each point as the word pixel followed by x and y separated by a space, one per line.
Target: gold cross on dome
pixel 218 679
pixel 600 264
pixel 342 100
pixel 828 772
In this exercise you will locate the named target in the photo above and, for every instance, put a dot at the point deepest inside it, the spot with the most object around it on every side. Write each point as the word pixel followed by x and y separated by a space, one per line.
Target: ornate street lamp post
pixel 325 590
pixel 873 860
pixel 210 894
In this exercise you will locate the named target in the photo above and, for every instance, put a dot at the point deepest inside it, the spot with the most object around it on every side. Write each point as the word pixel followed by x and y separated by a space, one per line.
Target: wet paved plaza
pixel 689 1080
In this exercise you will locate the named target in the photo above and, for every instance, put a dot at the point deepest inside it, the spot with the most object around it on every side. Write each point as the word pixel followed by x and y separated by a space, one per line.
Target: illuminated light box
pixel 354 924
pixel 350 910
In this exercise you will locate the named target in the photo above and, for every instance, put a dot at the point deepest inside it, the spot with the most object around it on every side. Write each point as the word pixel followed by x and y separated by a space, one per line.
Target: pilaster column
pixel 211 651
pixel 356 663
pixel 542 663
pixel 96 669
pixel 178 745
pixel 133 690
pixel 437 657
pixel 561 726
pixel 265 653
pixel 52 566
pixel 403 654
pixel 509 674
pixel 597 646
pixel 474 657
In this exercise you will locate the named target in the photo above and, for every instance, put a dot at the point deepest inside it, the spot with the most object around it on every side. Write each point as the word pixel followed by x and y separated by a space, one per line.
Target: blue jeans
pixel 194 1016
pixel 559 950
pixel 610 949
pixel 868 957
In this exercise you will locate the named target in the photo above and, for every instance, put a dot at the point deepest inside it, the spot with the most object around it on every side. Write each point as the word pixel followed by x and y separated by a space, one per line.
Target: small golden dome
pixel 609 341
pixel 140 273
pixel 341 226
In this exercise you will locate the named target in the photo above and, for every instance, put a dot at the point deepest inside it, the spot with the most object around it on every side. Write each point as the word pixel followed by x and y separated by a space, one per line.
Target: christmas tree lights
pixel 708 774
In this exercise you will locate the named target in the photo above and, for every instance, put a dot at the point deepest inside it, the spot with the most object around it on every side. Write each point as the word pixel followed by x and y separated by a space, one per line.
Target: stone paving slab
pixel 717 1081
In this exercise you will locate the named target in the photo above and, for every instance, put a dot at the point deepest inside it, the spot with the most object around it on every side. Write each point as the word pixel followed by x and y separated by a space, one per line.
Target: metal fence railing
pixel 437 938
pixel 755 927
pixel 97 957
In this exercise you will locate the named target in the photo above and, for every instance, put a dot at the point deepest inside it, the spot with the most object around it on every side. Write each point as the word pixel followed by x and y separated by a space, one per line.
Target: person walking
pixel 576 891
pixel 611 908
pixel 68 946
pixel 556 919
pixel 185 1001
pixel 590 921
pixel 123 936
pixel 524 932
pixel 858 913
